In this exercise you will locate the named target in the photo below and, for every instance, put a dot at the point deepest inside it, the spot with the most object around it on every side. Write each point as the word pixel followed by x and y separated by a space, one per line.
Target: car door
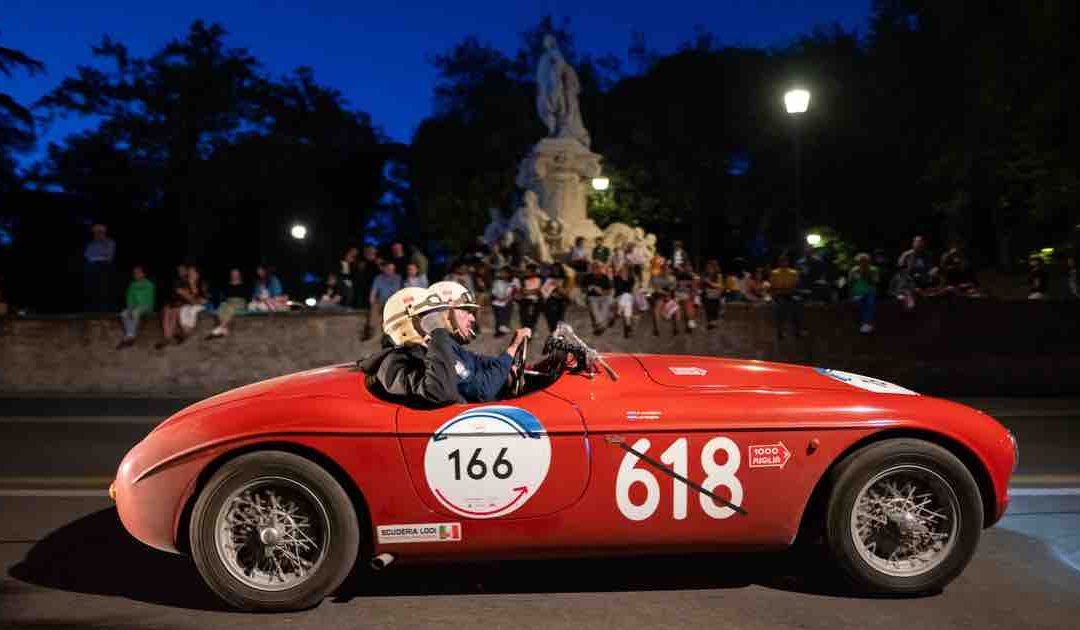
pixel 513 459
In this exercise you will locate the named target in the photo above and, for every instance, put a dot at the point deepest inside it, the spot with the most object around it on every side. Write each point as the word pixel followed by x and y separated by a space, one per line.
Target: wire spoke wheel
pixel 271 533
pixel 905 521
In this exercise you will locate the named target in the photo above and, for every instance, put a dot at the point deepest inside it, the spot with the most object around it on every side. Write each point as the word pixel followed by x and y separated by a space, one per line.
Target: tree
pixel 199 148
pixel 16 121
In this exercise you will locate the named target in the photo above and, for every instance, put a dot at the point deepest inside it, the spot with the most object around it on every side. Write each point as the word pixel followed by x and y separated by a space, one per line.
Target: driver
pixel 427 366
pixel 479 378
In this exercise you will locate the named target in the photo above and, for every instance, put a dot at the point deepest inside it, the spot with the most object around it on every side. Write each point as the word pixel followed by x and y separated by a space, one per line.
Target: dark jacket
pixel 415 375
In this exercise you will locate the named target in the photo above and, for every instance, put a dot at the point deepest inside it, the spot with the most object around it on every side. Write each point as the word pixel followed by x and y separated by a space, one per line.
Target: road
pixel 67 562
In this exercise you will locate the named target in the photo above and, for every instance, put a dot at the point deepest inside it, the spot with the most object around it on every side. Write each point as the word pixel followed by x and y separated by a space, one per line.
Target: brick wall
pixel 967 348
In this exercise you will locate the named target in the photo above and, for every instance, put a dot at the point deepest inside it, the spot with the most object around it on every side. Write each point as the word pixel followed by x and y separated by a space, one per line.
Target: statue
pixel 557 95
pixel 528 224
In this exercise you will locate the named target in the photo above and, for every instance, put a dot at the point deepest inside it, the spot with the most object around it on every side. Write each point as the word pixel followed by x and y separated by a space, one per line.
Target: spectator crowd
pixel 619 287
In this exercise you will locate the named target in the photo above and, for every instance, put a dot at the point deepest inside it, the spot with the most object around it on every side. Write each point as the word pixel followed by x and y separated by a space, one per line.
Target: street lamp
pixel 796 102
pixel 298 231
pixel 600 183
pixel 813 240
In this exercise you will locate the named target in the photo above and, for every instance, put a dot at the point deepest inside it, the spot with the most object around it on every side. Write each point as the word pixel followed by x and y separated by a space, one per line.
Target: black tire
pixel 329 506
pixel 929 464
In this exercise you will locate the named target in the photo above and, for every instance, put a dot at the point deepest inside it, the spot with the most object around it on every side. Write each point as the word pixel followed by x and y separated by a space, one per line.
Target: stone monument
pixel 557 173
pixel 560 167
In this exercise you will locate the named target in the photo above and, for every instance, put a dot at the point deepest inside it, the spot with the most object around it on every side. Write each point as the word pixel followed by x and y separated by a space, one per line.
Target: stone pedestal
pixel 560 171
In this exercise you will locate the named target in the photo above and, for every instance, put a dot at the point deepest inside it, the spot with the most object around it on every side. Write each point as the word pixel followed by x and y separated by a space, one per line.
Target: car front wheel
pixel 904 517
pixel 273 531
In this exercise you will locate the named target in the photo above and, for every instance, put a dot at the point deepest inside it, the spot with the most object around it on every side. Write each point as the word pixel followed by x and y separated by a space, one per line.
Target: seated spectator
pixel 331 297
pixel 601 252
pixel 862 282
pixel 712 284
pixel 662 284
pixel 956 274
pixel 733 287
pixel 1038 281
pixel 623 290
pixel 913 272
pixel 140 302
pixel 686 282
pixel 503 292
pixel 529 297
pixel 267 293
pixel 170 313
pixel 597 287
pixel 579 256
pixel 235 300
pixel 189 299
pixel 555 296
pixel 788 304
pixel 413 277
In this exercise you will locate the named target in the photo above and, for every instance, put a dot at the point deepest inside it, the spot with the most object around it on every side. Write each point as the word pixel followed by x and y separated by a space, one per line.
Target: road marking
pixel 51 492
pixel 1061 479
pixel 64 483
pixel 1044 492
pixel 81 419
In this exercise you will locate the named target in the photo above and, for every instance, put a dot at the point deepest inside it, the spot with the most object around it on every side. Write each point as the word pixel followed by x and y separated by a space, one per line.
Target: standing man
pixel 99 255
pixel 383 286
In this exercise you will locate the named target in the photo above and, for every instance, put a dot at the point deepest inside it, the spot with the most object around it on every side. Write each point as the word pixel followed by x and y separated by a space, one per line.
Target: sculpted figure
pixel 527 224
pixel 557 95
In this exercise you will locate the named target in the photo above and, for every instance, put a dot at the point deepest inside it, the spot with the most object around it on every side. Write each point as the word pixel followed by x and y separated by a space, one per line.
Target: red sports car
pixel 277 489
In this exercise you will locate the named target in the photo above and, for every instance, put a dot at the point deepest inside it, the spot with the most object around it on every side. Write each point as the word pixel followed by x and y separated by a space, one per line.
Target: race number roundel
pixel 487 462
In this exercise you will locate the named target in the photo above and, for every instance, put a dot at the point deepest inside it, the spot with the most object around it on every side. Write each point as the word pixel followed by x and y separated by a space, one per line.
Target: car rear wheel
pixel 272 531
pixel 904 517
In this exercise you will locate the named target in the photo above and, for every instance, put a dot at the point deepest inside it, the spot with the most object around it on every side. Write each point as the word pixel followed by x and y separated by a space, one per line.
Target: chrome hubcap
pixel 905 521
pixel 271 533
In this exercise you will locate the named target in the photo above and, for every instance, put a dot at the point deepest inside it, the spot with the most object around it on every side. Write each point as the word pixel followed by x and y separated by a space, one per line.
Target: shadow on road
pixel 96 555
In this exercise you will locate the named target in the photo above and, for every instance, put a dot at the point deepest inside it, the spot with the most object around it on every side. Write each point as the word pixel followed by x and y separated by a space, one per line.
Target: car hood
pixel 338 380
pixel 713 372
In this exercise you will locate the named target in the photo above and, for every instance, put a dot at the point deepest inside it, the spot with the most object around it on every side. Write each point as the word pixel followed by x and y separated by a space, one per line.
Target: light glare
pixel 797 101
pixel 600 183
pixel 299 232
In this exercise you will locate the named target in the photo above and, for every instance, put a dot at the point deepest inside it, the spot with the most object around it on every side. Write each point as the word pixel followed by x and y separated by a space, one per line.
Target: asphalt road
pixel 66 561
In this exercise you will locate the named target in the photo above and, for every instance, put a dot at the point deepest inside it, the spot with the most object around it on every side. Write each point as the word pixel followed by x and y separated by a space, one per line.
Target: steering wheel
pixel 517 368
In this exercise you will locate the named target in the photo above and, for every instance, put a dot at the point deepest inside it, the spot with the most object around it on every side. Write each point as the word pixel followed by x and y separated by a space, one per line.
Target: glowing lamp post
pixel 298 231
pixel 601 183
pixel 813 240
pixel 796 102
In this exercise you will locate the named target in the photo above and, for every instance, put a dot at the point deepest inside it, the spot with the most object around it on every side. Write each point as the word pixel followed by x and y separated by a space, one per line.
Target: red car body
pixel 773 430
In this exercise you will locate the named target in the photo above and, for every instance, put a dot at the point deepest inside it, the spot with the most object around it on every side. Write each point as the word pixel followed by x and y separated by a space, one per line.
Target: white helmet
pixel 402 313
pixel 454 295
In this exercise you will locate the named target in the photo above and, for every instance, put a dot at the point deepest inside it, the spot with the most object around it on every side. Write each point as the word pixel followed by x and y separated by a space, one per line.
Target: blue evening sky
pixel 378 54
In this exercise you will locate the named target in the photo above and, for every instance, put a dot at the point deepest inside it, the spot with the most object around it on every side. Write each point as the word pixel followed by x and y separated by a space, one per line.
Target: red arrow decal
pixel 520 490
pixel 768 455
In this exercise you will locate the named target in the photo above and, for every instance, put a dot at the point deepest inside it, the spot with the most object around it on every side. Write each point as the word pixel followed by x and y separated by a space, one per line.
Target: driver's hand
pixel 521 334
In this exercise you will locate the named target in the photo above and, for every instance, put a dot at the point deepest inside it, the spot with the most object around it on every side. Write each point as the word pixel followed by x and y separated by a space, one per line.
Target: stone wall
pixel 967 348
